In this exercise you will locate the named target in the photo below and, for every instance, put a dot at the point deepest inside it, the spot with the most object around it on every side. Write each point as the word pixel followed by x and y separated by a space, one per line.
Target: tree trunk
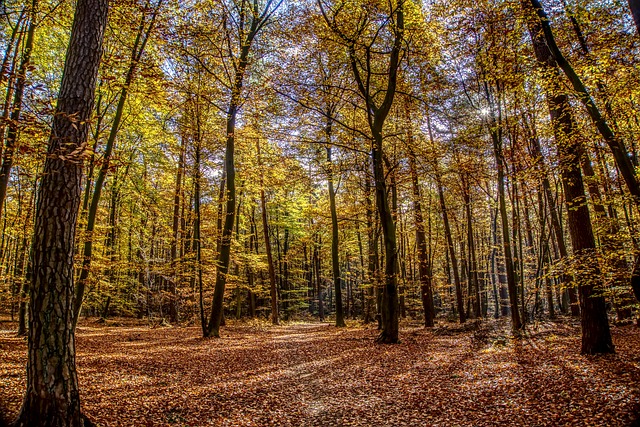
pixel 267 244
pixel 425 268
pixel 175 234
pixel 451 252
pixel 389 308
pixel 52 396
pixel 138 49
pixel 335 261
pixel 596 337
pixel 495 131
pixel 554 216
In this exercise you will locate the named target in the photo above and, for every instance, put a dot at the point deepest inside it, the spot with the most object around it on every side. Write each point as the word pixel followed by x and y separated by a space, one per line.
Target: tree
pixel 142 37
pixel 362 42
pixel 425 255
pixel 256 18
pixel 335 262
pixel 52 397
pixel 596 337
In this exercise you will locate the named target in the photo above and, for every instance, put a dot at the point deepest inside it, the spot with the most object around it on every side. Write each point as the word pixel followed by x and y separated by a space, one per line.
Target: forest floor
pixel 312 374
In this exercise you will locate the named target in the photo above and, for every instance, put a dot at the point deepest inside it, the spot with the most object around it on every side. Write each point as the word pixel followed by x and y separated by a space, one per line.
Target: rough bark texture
pixel 52 397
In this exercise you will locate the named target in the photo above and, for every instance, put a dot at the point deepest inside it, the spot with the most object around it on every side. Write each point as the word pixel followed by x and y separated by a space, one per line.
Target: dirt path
pixel 317 375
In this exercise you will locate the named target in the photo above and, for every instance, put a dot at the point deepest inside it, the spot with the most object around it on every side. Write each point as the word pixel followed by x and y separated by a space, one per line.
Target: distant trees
pixel 265 164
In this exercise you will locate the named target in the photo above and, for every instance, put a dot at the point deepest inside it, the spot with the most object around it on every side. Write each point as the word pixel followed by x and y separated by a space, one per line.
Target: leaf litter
pixel 312 374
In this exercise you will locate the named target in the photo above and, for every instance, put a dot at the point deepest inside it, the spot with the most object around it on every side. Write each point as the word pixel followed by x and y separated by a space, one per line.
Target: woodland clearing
pixel 313 374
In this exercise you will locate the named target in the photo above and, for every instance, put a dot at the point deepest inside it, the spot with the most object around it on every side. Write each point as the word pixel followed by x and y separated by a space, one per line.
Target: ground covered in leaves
pixel 316 375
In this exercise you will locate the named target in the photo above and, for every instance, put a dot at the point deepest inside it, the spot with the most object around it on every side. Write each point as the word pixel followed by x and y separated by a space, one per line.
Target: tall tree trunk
pixel 473 264
pixel 554 216
pixel 389 308
pixel 496 136
pixel 52 396
pixel 257 21
pixel 335 260
pixel 144 31
pixel 372 255
pixel 175 234
pixel 267 244
pixel 425 268
pixel 596 337
pixel 197 238
pixel 451 252
pixel 618 149
pixel 376 117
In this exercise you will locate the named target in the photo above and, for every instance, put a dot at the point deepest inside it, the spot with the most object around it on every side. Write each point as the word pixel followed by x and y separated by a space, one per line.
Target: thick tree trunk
pixel 52 397
pixel 389 307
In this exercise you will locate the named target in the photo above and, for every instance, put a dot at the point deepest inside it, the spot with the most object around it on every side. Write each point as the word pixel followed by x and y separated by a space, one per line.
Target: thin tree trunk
pixel 175 234
pixel 452 253
pixel 425 269
pixel 16 107
pixel 496 136
pixel 267 243
pixel 335 261
pixel 144 31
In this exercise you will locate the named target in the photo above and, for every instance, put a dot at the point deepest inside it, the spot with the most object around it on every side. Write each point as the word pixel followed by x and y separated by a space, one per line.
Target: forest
pixel 319 213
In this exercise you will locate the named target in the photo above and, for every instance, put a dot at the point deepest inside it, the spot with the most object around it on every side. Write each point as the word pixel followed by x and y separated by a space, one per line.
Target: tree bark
pixel 52 396
pixel 496 136
pixel 451 252
pixel 257 21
